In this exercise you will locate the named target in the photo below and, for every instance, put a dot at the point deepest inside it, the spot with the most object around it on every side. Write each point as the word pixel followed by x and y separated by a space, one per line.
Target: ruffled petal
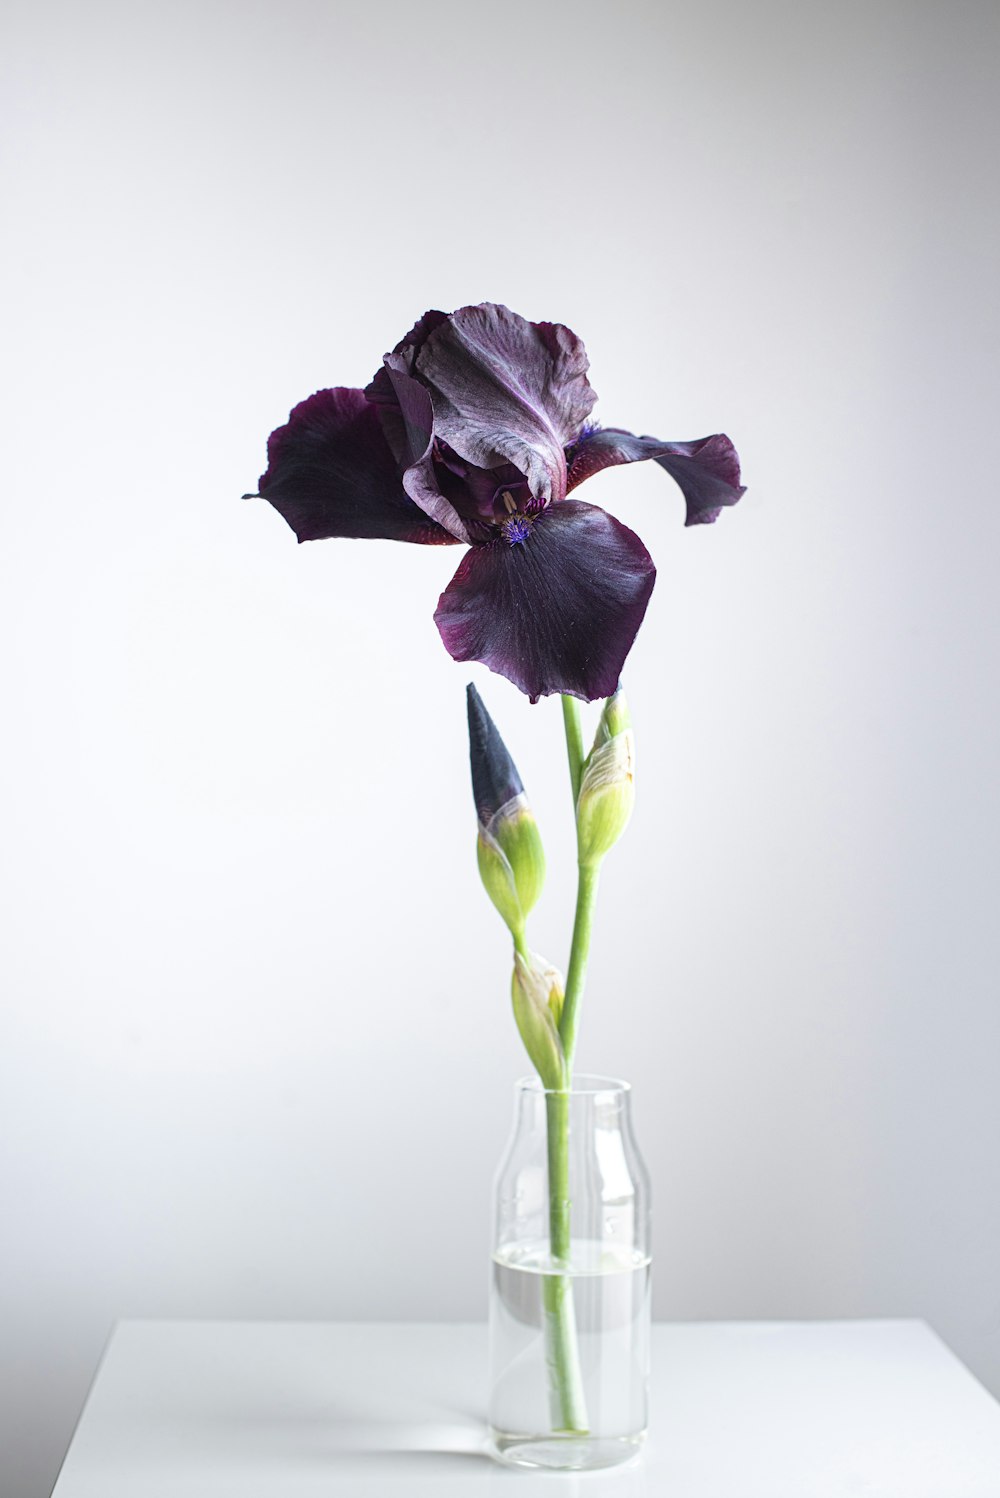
pixel 419 478
pixel 557 612
pixel 506 390
pixel 382 390
pixel 407 417
pixel 707 470
pixel 330 473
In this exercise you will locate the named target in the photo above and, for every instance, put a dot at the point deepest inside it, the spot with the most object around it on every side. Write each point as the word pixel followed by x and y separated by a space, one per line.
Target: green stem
pixel 562 1354
pixel 576 977
pixel 586 895
pixel 574 743
pixel 569 1411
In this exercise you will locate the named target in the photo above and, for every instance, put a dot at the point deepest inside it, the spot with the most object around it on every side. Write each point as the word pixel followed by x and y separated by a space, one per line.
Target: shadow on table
pixel 308 1435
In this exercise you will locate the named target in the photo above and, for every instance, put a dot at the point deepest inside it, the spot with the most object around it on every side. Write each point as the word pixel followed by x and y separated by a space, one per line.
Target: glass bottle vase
pixel 570 1286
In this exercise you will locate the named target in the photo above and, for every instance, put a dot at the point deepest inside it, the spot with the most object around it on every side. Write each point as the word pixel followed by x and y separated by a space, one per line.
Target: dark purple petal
pixel 330 473
pixel 507 391
pixel 407 417
pixel 451 490
pixel 382 391
pixel 707 470
pixel 419 478
pixel 478 493
pixel 556 612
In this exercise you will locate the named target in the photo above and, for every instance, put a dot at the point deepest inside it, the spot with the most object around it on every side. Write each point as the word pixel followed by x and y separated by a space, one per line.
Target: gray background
pixel 256 1053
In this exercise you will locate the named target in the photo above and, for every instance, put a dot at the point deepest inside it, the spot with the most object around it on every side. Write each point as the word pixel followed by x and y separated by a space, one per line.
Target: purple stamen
pixel 516 528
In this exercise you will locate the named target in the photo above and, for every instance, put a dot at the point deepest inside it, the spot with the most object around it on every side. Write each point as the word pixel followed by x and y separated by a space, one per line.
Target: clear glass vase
pixel 570 1288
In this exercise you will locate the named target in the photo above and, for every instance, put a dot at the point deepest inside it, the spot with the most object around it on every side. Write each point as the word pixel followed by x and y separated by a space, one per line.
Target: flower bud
pixel 537 994
pixel 607 784
pixel 509 850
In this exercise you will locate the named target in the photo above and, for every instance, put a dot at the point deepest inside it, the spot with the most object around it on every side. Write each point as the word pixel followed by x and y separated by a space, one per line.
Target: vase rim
pixel 585 1084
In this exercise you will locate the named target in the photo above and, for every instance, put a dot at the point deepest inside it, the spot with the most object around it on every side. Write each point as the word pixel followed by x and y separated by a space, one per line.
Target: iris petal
pixel 419 478
pixel 407 418
pixel 557 612
pixel 707 470
pixel 506 390
pixel 382 391
pixel 331 473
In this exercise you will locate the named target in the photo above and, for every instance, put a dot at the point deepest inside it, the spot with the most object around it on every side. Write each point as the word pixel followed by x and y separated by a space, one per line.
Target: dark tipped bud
pixel 495 780
pixel 509 851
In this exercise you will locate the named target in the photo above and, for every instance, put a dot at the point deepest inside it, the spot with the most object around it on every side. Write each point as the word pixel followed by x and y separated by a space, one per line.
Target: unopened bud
pixel 537 994
pixel 607 785
pixel 509 850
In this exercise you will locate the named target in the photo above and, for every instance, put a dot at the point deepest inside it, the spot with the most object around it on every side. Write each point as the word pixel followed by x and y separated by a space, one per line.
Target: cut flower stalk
pixel 562 1344
pixel 562 1351
pixel 477 431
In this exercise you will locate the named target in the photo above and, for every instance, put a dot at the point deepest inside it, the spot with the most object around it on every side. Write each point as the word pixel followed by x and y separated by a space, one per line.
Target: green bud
pixel 615 716
pixel 607 784
pixel 537 994
pixel 511 861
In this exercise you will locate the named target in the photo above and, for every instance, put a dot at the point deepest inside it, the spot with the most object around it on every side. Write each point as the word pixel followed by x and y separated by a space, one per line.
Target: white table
pixel 874 1409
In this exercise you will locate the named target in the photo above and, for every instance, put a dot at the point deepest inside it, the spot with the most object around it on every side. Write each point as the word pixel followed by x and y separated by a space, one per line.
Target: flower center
pixel 516 528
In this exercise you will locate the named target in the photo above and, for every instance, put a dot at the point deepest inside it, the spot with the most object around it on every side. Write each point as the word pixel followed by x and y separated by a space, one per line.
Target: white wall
pixel 256 1049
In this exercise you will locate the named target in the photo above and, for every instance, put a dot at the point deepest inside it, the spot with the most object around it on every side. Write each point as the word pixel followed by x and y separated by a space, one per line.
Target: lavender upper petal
pixel 557 612
pixel 330 473
pixel 506 390
pixel 707 470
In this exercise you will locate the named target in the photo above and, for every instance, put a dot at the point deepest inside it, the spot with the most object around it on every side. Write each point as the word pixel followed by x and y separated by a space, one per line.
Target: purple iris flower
pixel 476 430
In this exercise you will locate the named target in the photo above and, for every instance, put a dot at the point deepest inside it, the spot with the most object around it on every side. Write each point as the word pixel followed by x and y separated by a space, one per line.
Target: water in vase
pixel 610 1295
